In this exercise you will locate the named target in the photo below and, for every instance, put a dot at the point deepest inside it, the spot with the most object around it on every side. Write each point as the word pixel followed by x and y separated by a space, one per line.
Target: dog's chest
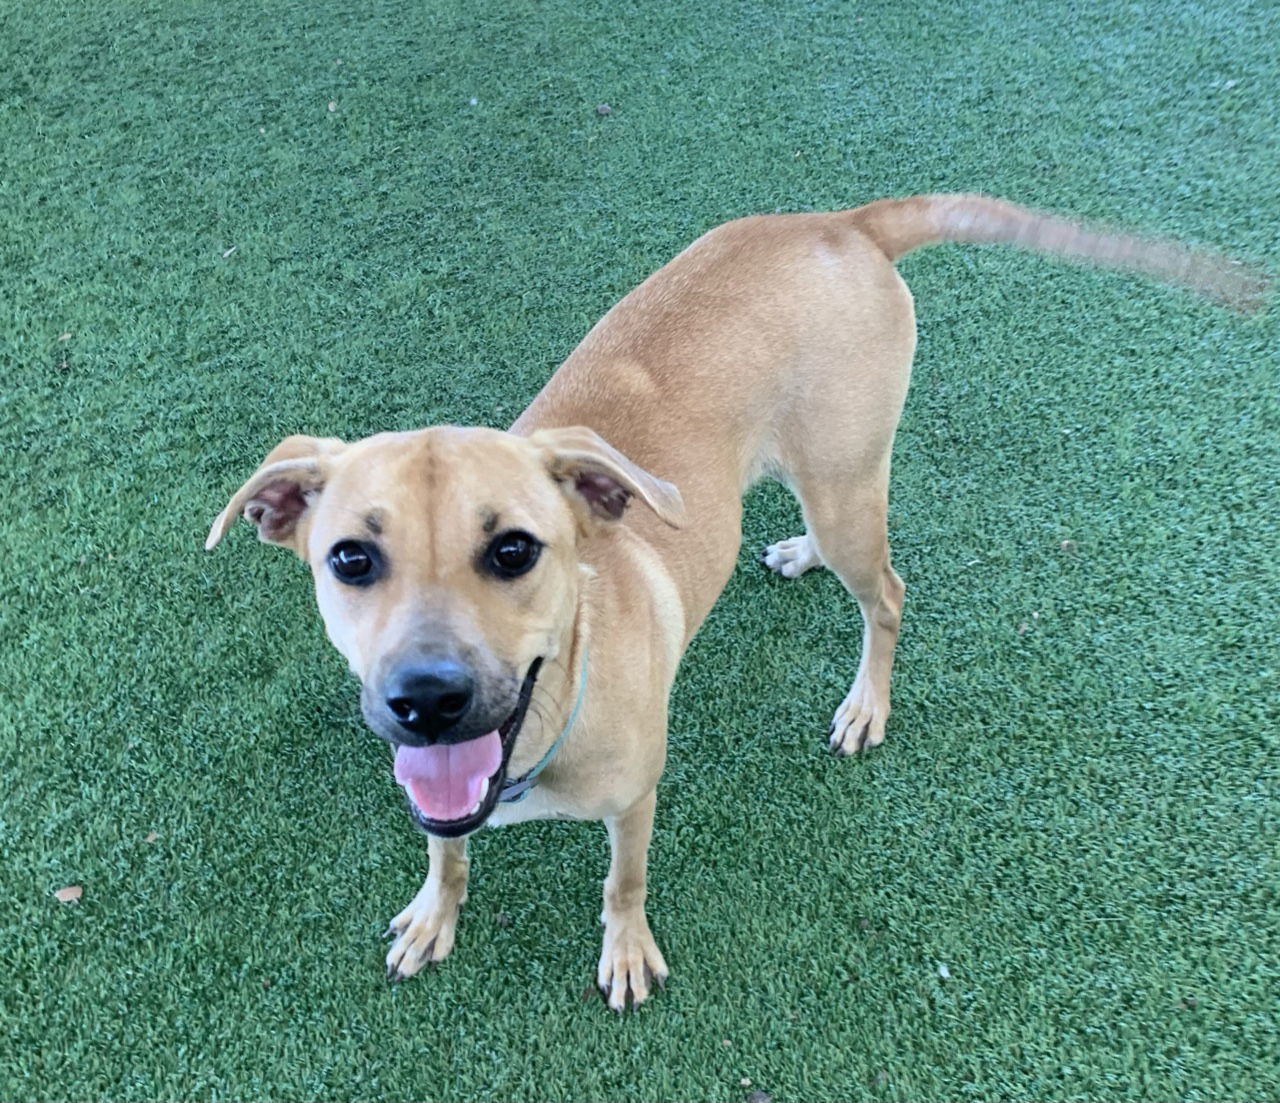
pixel 541 803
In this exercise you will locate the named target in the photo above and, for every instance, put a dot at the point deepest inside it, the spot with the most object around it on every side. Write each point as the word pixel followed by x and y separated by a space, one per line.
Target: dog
pixel 515 604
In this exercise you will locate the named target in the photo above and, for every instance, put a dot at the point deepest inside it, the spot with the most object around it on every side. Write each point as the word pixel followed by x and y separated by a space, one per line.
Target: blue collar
pixel 517 789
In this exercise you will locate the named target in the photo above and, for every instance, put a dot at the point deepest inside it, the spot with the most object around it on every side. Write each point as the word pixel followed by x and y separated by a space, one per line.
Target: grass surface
pixel 1076 811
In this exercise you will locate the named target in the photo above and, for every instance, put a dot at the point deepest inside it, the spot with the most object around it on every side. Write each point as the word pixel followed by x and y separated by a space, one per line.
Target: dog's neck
pixel 517 788
pixel 561 687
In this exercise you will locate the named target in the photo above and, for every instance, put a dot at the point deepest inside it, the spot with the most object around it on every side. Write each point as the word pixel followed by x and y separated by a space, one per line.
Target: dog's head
pixel 447 571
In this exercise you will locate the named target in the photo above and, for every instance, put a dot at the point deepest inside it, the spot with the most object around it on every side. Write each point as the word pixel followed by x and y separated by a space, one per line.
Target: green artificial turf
pixel 226 222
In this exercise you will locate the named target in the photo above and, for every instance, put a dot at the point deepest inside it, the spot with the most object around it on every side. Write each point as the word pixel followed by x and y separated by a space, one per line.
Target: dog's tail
pixel 899 225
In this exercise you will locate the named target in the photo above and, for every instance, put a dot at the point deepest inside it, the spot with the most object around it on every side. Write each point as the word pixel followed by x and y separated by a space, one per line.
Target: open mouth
pixel 452 787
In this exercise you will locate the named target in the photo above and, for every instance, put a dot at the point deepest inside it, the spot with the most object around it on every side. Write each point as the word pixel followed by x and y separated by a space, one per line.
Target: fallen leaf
pixel 603 109
pixel 151 837
pixel 65 337
pixel 745 1081
pixel 69 895
pixel 229 252
pixel 943 971
pixel 333 105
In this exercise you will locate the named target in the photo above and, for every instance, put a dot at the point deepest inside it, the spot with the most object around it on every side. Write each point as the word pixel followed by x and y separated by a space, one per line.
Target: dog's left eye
pixel 353 562
pixel 512 554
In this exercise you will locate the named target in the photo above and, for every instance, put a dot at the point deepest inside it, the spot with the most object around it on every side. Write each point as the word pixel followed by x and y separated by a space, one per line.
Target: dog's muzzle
pixel 453 786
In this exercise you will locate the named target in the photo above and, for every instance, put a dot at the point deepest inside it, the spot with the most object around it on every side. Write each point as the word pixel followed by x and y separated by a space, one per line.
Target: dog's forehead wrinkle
pixel 430 475
pixel 348 515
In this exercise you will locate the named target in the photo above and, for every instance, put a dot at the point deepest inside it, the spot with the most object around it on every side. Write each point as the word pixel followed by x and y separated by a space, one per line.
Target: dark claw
pixel 661 981
pixel 391 931
pixel 862 739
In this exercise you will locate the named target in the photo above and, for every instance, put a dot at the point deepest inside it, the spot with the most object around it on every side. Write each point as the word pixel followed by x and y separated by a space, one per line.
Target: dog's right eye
pixel 353 562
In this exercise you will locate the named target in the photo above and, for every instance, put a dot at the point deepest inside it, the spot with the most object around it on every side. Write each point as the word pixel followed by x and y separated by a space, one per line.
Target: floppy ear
pixel 599 480
pixel 278 494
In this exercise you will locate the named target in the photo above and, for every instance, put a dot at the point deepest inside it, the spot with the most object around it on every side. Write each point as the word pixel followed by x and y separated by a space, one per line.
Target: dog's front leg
pixel 631 958
pixel 425 929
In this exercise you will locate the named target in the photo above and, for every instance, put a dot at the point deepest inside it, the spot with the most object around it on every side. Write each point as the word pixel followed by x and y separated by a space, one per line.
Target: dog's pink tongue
pixel 446 781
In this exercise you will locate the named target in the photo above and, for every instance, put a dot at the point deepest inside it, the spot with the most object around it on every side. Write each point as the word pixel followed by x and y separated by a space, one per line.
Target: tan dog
pixel 516 628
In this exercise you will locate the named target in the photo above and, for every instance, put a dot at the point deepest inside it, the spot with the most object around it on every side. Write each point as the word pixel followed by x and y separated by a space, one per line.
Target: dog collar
pixel 517 789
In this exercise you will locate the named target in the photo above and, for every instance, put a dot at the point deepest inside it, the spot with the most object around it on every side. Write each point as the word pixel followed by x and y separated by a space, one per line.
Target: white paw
pixel 629 962
pixel 424 934
pixel 859 721
pixel 791 558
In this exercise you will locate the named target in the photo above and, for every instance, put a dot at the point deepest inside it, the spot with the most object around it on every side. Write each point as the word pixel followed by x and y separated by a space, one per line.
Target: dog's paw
pixel 859 721
pixel 424 934
pixel 791 558
pixel 630 962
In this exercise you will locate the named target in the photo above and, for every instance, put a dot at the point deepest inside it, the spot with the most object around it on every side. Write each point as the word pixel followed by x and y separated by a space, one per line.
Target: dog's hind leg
pixel 791 558
pixel 847 523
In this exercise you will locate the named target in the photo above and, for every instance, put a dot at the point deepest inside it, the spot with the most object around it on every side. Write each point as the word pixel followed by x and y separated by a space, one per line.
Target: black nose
pixel 428 699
